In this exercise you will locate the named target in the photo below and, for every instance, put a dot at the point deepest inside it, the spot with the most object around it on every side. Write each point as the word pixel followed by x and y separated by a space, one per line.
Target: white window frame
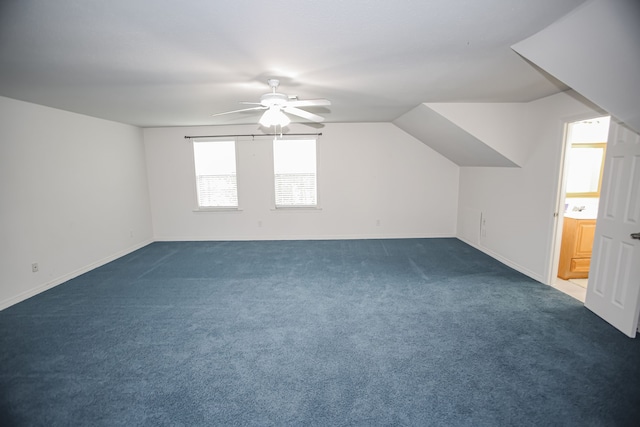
pixel 283 207
pixel 220 207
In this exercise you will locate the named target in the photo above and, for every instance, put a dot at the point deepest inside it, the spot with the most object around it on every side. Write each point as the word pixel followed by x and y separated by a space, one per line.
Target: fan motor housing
pixel 271 99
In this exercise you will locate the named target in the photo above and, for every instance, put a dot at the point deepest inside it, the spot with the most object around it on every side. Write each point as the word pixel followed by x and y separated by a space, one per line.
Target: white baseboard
pixel 299 237
pixel 505 261
pixel 66 277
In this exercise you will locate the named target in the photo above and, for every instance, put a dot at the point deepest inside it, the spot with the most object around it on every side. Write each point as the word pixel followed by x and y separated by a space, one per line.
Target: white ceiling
pixel 176 62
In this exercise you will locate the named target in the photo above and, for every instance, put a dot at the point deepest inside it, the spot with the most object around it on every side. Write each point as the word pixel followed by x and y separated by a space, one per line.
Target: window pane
pixel 215 163
pixel 295 172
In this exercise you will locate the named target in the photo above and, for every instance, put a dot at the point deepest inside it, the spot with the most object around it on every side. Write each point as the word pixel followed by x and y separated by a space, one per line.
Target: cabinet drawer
pixel 580 265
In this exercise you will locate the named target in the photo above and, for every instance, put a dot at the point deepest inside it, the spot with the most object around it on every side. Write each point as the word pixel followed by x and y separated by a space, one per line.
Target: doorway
pixel 581 180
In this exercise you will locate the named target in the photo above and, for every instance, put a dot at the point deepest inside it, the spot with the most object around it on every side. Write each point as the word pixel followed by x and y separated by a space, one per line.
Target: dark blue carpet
pixel 409 332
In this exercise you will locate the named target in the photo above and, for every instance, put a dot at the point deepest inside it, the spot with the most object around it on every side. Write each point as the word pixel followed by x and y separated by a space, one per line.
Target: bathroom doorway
pixel 581 180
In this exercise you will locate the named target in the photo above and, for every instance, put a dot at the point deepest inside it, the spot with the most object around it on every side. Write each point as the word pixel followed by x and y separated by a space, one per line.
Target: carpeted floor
pixel 415 332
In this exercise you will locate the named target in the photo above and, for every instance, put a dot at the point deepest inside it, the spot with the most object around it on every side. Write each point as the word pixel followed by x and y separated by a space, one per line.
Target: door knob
pixel 635 236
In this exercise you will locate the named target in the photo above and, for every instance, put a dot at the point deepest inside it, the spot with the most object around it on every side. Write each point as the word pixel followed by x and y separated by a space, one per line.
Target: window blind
pixel 294 165
pixel 215 165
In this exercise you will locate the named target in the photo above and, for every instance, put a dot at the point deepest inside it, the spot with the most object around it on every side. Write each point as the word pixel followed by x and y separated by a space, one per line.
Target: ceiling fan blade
pixel 308 102
pixel 304 114
pixel 238 111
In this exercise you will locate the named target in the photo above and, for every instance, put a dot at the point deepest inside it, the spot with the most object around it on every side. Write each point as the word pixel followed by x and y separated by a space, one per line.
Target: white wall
pixel 518 203
pixel 73 194
pixel 368 174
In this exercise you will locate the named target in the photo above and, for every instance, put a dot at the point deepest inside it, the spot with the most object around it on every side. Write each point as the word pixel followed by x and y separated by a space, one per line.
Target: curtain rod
pixel 253 135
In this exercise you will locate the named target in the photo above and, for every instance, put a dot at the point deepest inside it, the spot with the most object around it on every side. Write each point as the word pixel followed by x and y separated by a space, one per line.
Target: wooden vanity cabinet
pixel 575 250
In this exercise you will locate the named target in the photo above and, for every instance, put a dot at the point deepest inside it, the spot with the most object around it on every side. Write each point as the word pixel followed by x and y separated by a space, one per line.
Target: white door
pixel 614 279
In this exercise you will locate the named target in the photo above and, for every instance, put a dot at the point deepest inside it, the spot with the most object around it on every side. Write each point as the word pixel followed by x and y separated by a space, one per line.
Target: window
pixel 294 166
pixel 216 183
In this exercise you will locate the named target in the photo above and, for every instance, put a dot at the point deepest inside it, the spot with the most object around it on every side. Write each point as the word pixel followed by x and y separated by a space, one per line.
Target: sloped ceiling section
pixel 448 139
pixel 596 51
pixel 503 126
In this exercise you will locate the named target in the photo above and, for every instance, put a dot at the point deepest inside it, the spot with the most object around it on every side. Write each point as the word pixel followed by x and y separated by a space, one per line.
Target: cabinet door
pixel 586 229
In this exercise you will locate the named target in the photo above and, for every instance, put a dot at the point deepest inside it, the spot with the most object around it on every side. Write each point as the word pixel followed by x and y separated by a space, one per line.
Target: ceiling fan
pixel 277 104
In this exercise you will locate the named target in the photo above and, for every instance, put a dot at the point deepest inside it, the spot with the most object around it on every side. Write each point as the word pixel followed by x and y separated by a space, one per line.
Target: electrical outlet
pixel 34 267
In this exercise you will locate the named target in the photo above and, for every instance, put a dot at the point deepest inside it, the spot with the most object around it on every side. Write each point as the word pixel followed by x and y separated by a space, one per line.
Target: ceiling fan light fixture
pixel 275 105
pixel 274 117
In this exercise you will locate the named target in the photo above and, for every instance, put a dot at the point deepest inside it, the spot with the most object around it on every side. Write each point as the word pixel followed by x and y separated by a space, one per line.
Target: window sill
pixel 214 210
pixel 296 209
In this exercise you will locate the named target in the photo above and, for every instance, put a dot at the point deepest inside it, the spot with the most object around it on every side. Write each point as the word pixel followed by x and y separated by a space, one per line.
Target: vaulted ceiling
pixel 176 62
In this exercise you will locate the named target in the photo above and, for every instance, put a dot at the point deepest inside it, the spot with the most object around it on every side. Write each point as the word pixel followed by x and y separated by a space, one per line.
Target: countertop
pixel 581 215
